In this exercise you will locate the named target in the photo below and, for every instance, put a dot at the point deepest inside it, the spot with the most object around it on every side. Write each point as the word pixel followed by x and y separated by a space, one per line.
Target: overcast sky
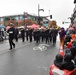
pixel 60 9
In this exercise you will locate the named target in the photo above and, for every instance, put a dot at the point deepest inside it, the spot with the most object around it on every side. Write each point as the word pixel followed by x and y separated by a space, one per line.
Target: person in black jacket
pixel 30 34
pixel 67 39
pixel 75 61
pixel 42 34
pixel 47 35
pixel 67 63
pixel 58 61
pixel 23 34
pixel 54 33
pixel 27 34
pixel 11 33
pixel 73 51
pixel 16 34
pixel 37 36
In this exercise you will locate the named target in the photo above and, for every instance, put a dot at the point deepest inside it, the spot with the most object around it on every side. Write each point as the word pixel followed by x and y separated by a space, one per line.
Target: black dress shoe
pixel 14 46
pixel 10 49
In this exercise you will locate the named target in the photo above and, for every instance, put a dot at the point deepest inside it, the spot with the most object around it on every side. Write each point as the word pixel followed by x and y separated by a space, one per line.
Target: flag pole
pixel 38 10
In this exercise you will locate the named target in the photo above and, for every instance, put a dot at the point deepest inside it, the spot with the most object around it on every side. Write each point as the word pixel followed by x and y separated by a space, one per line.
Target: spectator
pixel 67 63
pixel 58 61
pixel 62 34
pixel 75 61
pixel 67 39
pixel 68 46
pixel 73 51
pixel 74 42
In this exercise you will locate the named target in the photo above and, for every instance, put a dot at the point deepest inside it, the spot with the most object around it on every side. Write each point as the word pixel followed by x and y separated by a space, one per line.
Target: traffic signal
pixel 62 22
pixel 74 1
pixel 50 16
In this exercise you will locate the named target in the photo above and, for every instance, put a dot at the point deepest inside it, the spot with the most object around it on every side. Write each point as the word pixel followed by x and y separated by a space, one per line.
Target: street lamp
pixel 50 15
pixel 74 1
pixel 39 14
pixel 25 17
pixel 39 10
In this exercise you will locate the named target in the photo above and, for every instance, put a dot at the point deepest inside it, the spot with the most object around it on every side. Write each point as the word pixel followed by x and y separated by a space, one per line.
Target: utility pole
pixel 25 17
pixel 39 13
pixel 74 1
pixel 38 10
pixel 49 13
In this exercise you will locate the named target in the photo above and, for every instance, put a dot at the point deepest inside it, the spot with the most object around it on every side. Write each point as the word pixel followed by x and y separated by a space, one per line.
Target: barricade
pixel 56 71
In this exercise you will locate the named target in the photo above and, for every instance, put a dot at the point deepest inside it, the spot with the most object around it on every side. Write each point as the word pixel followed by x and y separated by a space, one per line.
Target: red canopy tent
pixel 34 26
pixel 7 27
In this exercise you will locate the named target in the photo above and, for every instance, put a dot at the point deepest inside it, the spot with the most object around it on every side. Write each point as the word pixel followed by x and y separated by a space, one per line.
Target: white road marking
pixel 41 47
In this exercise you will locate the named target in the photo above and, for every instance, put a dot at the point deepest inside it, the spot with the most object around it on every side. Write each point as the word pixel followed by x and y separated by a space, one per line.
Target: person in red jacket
pixel 68 46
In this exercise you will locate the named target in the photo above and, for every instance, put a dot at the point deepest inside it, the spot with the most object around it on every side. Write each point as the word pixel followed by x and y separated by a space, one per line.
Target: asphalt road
pixel 24 60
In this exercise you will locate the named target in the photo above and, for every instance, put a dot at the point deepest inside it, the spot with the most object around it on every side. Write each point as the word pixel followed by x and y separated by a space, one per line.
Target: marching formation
pixel 42 34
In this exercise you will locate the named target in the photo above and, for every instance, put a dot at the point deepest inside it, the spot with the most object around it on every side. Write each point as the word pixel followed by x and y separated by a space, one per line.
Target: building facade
pixel 22 19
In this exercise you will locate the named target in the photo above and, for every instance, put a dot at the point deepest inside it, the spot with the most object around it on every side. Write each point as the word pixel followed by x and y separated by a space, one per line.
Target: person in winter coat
pixel 46 35
pixel 75 61
pixel 42 35
pixel 16 34
pixel 54 33
pixel 30 32
pixel 67 39
pixel 27 33
pixel 62 34
pixel 68 46
pixel 58 61
pixel 37 36
pixel 73 51
pixel 67 63
pixel 23 34
pixel 74 41
pixel 11 32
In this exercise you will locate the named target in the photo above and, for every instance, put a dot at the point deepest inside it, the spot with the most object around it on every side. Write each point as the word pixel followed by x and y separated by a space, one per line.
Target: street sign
pixel 66 22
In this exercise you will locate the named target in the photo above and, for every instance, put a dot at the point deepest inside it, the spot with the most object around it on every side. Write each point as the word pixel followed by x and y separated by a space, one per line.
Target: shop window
pixel 29 17
pixel 1 19
pixel 13 18
pixel 16 17
pixel 21 17
pixel 46 23
pixel 6 18
pixel 33 18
